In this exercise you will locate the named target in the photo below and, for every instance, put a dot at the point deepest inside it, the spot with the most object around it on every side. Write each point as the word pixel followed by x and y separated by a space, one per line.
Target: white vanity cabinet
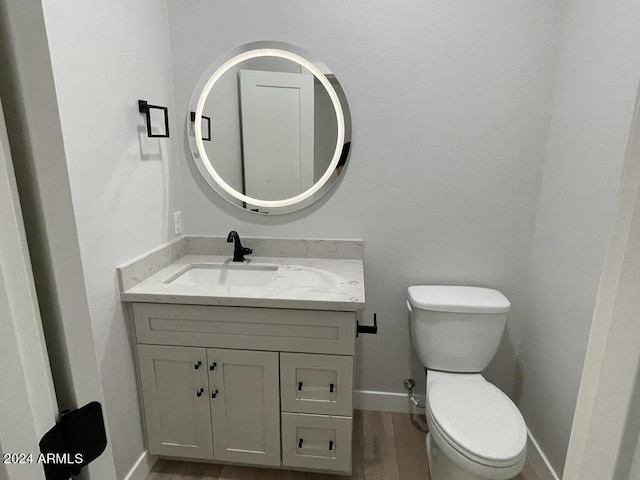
pixel 221 383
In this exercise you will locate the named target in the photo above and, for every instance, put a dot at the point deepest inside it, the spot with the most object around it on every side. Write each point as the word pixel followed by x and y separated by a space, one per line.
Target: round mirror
pixel 269 127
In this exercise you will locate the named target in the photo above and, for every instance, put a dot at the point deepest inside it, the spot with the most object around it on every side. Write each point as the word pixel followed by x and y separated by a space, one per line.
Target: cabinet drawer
pixel 312 383
pixel 246 328
pixel 316 441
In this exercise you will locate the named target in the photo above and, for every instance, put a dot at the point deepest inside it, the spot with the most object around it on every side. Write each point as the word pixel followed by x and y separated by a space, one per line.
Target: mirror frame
pixel 208 80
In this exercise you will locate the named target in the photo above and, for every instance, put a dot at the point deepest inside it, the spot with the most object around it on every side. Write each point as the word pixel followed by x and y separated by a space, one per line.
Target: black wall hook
pixel 145 109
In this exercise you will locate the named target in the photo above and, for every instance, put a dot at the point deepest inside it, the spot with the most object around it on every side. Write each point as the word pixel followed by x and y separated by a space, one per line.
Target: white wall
pixel 450 104
pixel 595 91
pixel 106 56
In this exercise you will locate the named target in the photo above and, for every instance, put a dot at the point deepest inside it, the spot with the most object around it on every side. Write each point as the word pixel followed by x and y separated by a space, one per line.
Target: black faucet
pixel 238 250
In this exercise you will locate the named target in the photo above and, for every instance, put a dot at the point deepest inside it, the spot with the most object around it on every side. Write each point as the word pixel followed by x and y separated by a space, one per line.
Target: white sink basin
pixel 227 275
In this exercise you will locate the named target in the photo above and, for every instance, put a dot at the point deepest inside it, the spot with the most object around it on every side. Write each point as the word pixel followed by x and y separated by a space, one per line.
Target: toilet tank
pixel 456 328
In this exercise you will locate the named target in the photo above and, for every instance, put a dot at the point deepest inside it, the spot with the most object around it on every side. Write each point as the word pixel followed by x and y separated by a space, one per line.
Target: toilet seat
pixel 477 420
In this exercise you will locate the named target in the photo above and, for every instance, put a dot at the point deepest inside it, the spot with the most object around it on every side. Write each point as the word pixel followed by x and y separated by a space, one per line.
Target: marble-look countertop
pixel 305 283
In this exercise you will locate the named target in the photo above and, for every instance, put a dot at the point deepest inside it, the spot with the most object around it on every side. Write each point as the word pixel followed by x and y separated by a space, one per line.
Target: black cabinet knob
pixel 213 366
pixel 300 443
pixel 197 364
pixel 214 393
pixel 199 392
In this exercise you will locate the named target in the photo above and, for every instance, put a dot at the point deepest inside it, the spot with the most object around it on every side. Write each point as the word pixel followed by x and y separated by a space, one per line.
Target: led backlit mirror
pixel 269 127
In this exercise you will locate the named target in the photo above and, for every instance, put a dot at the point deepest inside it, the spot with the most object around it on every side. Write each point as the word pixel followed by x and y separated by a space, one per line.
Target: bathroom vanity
pixel 248 362
pixel 251 361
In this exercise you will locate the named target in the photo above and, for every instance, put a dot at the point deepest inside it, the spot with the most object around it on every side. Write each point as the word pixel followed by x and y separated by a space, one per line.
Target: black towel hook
pixel 192 116
pixel 145 109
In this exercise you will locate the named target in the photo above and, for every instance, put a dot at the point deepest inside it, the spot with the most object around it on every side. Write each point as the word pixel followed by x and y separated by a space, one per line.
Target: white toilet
pixel 475 431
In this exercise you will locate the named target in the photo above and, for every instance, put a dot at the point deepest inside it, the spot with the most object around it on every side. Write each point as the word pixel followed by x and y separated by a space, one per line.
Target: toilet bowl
pixel 475 431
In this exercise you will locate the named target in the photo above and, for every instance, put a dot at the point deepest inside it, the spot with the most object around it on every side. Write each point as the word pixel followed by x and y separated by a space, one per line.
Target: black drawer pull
pixel 331 387
pixel 213 366
pixel 300 443
pixel 197 365
pixel 199 392
pixel 330 444
pixel 214 393
pixel 299 386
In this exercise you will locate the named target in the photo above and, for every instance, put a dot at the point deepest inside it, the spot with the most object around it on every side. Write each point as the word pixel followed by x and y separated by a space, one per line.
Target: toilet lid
pixel 480 419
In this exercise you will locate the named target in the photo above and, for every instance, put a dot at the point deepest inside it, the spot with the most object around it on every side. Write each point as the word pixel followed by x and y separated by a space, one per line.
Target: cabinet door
pixel 175 396
pixel 245 406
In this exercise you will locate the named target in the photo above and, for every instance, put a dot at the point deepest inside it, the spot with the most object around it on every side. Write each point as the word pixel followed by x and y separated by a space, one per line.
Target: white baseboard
pixel 142 467
pixel 538 460
pixel 386 402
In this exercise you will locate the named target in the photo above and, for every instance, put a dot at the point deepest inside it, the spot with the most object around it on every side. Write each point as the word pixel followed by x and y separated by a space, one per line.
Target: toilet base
pixel 442 468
